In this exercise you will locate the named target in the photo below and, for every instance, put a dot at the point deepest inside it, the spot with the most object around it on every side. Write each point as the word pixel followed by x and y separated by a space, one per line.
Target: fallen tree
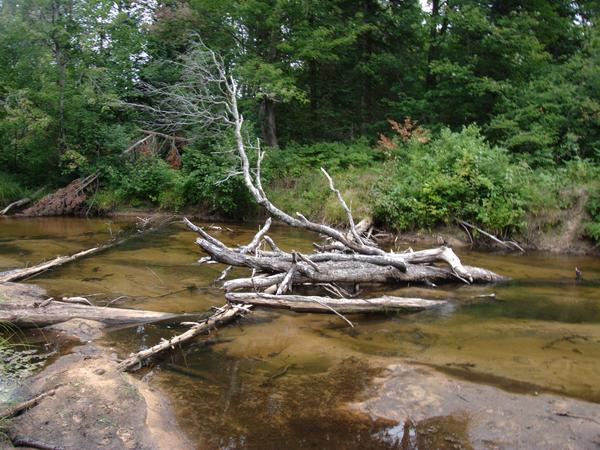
pixel 312 303
pixel 143 226
pixel 27 314
pixel 207 96
pixel 69 200
pixel 222 316
pixel 21 203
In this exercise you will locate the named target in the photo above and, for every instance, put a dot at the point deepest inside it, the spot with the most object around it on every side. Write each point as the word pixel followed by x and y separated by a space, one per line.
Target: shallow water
pixel 282 379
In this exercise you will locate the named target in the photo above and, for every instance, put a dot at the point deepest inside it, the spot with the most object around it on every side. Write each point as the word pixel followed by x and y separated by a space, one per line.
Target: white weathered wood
pixel 31 313
pixel 317 304
pixel 21 274
pixel 224 315
pixel 22 202
pixel 352 271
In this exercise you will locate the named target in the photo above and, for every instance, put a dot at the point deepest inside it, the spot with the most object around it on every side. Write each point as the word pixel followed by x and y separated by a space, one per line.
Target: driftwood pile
pixel 336 270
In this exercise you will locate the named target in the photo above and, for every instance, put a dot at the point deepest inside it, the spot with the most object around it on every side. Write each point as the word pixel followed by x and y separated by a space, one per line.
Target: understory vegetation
pixel 404 183
pixel 494 107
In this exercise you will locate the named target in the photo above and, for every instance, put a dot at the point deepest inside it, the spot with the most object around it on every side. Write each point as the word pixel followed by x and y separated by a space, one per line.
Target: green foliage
pixel 149 181
pixel 296 160
pixel 309 193
pixel 208 182
pixel 10 189
pixel 204 181
pixel 457 175
pixel 592 229
pixel 325 77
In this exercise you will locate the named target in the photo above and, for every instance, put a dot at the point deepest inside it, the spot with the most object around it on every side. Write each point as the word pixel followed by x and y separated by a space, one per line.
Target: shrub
pixel 456 175
pixel 148 180
pixel 209 182
pixel 294 160
pixel 10 189
pixel 592 229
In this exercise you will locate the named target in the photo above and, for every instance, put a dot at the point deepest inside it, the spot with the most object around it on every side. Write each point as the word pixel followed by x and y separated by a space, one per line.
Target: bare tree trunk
pixel 29 313
pixel 316 304
pixel 269 128
pixel 224 315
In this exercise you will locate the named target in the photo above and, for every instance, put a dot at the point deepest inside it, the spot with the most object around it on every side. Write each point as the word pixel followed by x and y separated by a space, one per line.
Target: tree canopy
pixel 525 72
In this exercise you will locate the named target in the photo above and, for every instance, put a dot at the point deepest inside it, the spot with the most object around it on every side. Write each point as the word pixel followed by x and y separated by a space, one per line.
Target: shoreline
pixel 568 242
pixel 94 405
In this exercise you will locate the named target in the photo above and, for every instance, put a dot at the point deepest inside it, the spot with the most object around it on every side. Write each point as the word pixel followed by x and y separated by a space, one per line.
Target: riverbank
pixel 566 238
pixel 94 405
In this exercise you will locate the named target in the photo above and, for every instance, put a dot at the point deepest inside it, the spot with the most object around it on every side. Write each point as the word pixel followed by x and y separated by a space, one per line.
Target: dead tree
pixel 205 97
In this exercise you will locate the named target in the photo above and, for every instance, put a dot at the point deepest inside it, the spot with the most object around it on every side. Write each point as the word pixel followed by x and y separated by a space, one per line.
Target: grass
pixel 310 194
pixel 10 189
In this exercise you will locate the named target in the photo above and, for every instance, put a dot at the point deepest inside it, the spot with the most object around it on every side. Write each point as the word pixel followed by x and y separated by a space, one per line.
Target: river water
pixel 280 379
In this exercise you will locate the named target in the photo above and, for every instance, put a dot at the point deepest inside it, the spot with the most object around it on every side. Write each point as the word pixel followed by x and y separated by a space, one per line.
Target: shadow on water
pixel 268 401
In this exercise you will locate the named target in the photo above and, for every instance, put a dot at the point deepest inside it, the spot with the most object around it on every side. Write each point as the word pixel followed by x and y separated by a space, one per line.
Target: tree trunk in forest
pixel 434 34
pixel 269 126
pixel 313 92
pixel 369 8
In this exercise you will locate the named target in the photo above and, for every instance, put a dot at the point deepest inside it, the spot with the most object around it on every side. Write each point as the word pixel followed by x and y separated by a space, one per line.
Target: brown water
pixel 282 379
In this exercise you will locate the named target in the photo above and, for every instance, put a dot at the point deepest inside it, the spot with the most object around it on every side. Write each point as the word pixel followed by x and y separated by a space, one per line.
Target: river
pixel 282 380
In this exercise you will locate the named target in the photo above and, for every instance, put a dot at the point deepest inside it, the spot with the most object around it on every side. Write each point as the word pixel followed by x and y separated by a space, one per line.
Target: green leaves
pixel 456 175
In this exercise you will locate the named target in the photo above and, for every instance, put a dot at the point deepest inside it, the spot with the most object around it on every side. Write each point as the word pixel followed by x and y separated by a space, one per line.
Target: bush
pixel 456 175
pixel 10 189
pixel 147 181
pixel 294 160
pixel 592 229
pixel 208 182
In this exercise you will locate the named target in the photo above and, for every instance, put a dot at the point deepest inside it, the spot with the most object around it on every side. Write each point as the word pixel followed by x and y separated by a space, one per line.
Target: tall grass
pixel 10 189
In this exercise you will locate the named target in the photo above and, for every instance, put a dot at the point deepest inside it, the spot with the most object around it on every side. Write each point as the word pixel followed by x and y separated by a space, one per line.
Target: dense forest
pixel 486 111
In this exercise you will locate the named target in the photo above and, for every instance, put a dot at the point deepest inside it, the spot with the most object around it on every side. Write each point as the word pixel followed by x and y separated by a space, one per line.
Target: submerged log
pixel 32 313
pixel 28 272
pixel 317 304
pixel 224 315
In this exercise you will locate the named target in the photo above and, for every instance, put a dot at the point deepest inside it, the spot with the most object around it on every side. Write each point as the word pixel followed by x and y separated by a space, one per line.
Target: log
pixel 508 244
pixel 349 271
pixel 17 204
pixel 23 441
pixel 17 409
pixel 22 202
pixel 224 315
pixel 317 304
pixel 398 260
pixel 28 313
pixel 414 274
pixel 28 272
